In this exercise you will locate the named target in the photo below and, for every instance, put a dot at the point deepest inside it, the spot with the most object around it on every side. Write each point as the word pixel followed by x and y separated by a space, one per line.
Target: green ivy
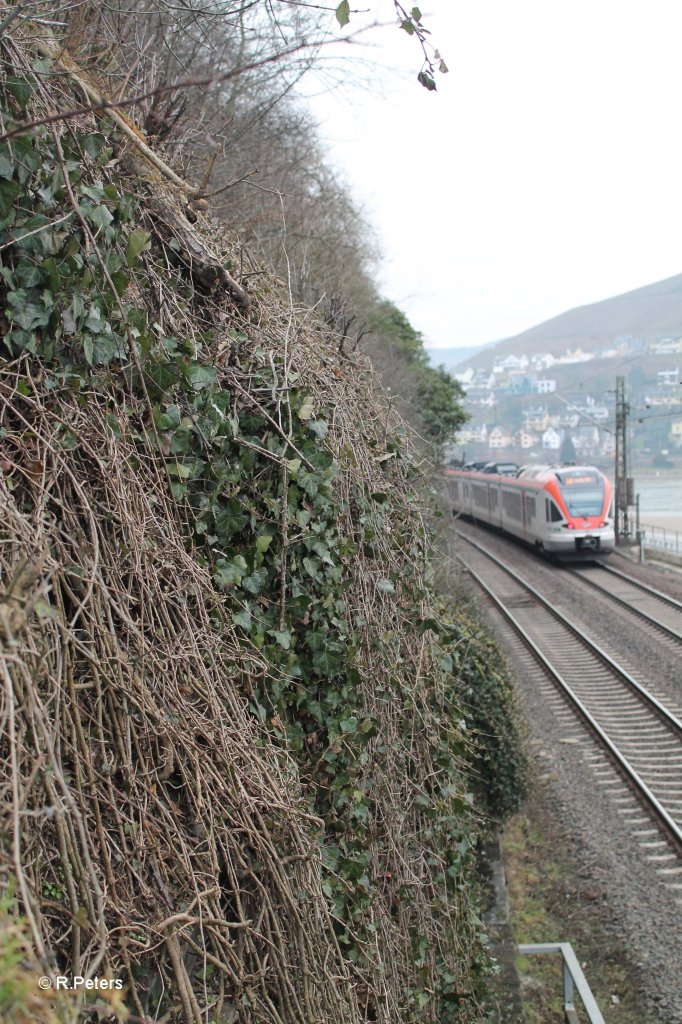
pixel 236 480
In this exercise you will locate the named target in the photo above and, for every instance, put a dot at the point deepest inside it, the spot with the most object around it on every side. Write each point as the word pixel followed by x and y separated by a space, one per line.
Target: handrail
pixel 574 979
pixel 662 537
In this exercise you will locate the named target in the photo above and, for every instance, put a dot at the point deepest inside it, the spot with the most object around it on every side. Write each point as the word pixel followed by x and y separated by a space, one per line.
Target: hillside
pixel 649 312
pixel 241 729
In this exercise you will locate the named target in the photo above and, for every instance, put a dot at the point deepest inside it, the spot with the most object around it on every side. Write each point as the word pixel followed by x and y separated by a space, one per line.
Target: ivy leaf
pixel 310 482
pixel 229 520
pixel 242 619
pixel 343 13
pixel 416 14
pixel 114 425
pixel 120 281
pixel 385 586
pixel 138 241
pixel 168 420
pixel 319 427
pixel 228 573
pixel 282 638
pixel 100 216
pixel 255 582
pixel 28 315
pixel 425 79
pixel 200 376
pixel 263 542
pixel 105 348
pixel 20 89
pixel 306 410
pixel 6 164
pixel 327 662
pixel 311 565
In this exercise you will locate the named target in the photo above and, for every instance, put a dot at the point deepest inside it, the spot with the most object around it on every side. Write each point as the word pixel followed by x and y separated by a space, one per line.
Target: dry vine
pixel 155 829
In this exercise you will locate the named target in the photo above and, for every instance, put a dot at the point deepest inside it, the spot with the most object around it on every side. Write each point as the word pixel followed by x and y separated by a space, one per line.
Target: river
pixel 660 500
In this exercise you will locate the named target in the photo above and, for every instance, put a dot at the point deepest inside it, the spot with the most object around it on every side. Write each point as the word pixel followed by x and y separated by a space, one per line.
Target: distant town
pixel 533 407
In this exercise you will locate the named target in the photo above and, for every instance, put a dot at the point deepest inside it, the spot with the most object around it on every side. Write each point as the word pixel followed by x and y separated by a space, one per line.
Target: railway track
pixel 658 610
pixel 640 735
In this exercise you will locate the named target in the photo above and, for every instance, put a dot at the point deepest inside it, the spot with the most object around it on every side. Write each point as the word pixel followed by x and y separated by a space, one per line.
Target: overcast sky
pixel 545 173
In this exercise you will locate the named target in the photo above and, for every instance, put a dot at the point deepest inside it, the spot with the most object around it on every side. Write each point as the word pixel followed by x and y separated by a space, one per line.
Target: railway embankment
pixel 586 863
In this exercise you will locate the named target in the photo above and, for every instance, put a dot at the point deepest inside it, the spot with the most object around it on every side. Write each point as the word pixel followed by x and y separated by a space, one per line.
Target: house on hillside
pixel 668 378
pixel 481 396
pixel 578 356
pixel 598 412
pixel 508 363
pixel 465 377
pixel 545 386
pixel 667 347
pixel 472 434
pixel 676 433
pixel 499 438
pixel 543 361
pixel 536 420
pixel 586 439
pixel 520 384
pixel 551 439
pixel 525 439
pixel 668 398
pixel 626 343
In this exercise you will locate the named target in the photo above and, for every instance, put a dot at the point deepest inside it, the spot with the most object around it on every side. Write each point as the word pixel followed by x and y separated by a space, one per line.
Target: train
pixel 562 511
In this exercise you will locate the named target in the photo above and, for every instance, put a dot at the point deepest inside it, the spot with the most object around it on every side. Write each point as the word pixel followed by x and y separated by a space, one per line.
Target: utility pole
pixel 624 483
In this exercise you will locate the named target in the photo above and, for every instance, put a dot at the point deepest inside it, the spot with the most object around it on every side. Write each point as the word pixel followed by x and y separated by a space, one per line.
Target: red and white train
pixel 562 510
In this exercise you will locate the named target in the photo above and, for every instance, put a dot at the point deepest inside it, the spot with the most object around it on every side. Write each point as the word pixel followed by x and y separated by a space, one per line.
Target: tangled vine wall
pixel 233 769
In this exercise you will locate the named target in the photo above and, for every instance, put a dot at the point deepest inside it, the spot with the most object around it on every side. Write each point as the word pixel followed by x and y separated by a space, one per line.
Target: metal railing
pixel 662 537
pixel 574 981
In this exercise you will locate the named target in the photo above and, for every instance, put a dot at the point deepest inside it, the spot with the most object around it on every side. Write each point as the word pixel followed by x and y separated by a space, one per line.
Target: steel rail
pixel 664 627
pixel 648 798
pixel 641 691
pixel 672 601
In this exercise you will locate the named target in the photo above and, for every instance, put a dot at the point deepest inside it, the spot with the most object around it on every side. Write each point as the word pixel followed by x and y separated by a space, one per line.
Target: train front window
pixel 583 493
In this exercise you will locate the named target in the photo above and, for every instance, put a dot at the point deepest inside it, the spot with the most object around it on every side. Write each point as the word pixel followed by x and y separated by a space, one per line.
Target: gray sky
pixel 545 173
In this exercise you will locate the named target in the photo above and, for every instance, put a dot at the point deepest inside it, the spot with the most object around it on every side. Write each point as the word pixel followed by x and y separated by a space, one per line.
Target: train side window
pixel 530 507
pixel 511 503
pixel 548 514
pixel 556 515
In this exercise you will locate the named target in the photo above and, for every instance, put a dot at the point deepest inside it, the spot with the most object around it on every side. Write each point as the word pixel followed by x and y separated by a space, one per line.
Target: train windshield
pixel 583 493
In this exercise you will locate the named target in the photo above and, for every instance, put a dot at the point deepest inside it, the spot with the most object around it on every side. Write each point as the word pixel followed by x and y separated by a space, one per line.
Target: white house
pixel 552 439
pixel 668 378
pixel 472 434
pixel 543 361
pixel 511 363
